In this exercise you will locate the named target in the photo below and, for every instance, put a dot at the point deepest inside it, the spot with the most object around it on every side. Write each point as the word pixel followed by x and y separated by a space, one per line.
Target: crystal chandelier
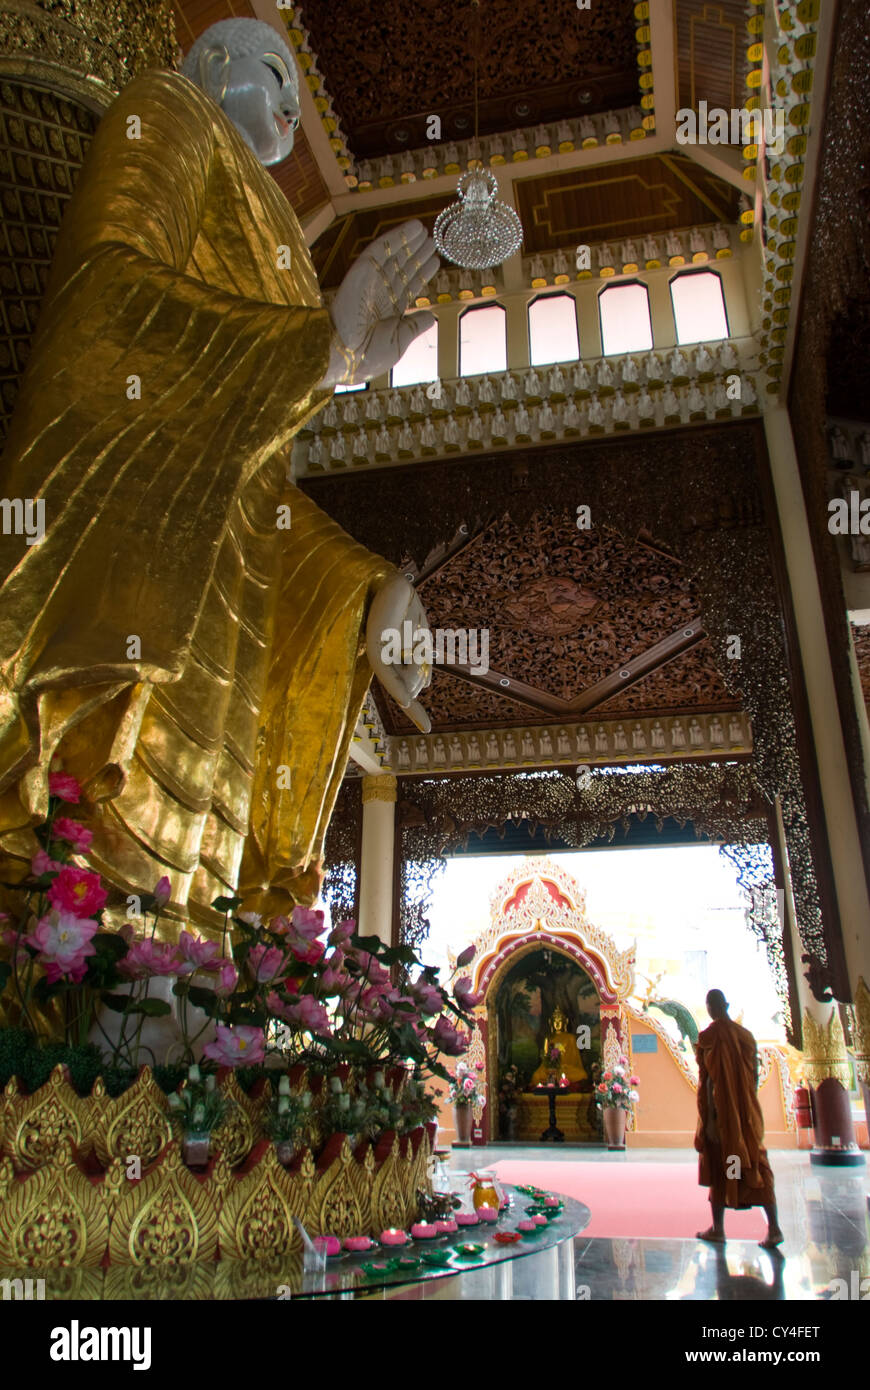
pixel 478 232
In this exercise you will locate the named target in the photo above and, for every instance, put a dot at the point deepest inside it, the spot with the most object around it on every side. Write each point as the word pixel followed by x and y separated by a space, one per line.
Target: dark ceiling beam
pixel 626 675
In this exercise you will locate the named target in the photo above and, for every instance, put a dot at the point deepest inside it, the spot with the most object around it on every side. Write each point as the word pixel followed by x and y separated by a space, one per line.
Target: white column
pixel 376 867
pixel 837 802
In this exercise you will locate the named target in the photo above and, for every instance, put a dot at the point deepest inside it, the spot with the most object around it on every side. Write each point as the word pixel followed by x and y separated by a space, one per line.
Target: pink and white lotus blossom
pixel 307 1014
pixel 77 891
pixel 162 891
pixel 42 863
pixel 343 932
pixel 64 942
pixel 266 962
pixel 227 979
pixel 463 995
pixel 239 1046
pixel 146 958
pixel 197 953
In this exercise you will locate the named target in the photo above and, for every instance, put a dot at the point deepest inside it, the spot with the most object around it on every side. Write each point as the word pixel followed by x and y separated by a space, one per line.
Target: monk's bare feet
pixel 774 1239
pixel 712 1236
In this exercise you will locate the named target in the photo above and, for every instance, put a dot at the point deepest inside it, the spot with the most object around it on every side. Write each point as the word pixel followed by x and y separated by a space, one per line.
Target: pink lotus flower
pixel 463 995
pixel 465 957
pixel 64 942
pixel 266 962
pixel 236 1047
pixel 448 1040
pixel 308 1014
pixel 428 998
pixel 227 979
pixel 303 929
pixel 77 891
pixel 333 981
pixel 162 891
pixel 343 932
pixel 76 835
pixel 64 787
pixel 145 958
pixel 308 921
pixel 196 953
pixel 42 863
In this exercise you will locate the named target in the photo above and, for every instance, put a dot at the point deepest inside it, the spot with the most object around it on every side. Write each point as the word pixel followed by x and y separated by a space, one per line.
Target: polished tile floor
pixel 823 1213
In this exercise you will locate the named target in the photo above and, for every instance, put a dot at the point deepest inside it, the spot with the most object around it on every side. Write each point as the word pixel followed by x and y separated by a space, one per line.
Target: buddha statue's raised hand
pixel 372 329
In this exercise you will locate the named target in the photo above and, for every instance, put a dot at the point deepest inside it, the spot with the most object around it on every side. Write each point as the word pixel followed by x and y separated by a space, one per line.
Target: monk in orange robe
pixel 730 1134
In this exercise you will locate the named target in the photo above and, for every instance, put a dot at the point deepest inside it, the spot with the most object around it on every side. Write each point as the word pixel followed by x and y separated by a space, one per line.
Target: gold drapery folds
pixel 196 664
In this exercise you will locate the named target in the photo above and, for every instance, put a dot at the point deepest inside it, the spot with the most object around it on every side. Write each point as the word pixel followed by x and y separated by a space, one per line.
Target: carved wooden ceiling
pixel 298 177
pixel 578 622
pixel 388 66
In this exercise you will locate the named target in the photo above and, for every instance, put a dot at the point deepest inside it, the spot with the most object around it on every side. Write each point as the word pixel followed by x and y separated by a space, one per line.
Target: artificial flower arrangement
pixel 465 1085
pixel 615 1089
pixel 287 993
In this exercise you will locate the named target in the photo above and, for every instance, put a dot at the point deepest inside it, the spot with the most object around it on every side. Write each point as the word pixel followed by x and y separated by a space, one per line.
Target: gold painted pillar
pixel 837 802
pixel 825 1062
pixel 376 858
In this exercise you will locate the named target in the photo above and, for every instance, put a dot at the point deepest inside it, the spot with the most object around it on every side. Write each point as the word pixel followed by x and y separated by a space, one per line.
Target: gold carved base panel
pixel 70 1196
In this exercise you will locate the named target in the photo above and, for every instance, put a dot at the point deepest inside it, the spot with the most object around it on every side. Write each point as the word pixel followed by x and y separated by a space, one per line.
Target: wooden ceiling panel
pixel 613 202
pixel 387 67
pixel 712 40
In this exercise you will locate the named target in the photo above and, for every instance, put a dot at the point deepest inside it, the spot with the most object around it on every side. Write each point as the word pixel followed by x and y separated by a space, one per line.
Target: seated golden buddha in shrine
pixel 570 1064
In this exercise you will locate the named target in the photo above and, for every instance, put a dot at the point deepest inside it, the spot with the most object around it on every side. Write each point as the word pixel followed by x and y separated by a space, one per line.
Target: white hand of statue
pixel 372 330
pixel 390 652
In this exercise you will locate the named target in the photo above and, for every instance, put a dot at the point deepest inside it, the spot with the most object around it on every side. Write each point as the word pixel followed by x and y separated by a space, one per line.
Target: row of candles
pixel 428 1230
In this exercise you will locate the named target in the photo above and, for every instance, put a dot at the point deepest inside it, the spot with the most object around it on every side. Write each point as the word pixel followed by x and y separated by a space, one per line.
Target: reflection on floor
pixel 823 1213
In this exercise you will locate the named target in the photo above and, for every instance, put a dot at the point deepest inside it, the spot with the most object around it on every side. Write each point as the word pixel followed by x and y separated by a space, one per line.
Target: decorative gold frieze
pixel 56 1216
pixel 133 1124
pixel 381 788
pixel 167 1217
pixel 824 1049
pixel 860 1011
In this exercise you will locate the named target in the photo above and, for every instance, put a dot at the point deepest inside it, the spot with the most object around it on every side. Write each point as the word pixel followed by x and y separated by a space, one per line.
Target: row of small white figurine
pixel 435 158
pixel 603 372
pixel 543 420
pixel 541 745
pixel 651 249
pixel 848 450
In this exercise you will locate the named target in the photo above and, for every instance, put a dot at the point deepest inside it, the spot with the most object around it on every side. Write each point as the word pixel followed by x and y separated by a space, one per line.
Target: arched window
pixel 625 322
pixel 699 306
pixel 340 389
pixel 553 329
pixel 419 361
pixel 483 340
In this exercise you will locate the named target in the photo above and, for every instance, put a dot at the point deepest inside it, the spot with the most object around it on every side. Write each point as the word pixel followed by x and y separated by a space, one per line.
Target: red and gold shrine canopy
pixel 539 903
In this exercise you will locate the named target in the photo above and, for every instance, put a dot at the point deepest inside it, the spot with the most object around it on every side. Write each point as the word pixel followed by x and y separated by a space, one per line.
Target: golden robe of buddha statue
pixel 195 664
pixel 570 1064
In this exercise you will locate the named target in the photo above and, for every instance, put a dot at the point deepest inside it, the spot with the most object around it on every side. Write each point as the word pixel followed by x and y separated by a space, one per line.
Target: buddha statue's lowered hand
pixel 394 605
pixel 372 328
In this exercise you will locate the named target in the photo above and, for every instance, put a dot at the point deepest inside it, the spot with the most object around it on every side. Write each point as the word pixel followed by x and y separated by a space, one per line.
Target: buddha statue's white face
pixel 240 64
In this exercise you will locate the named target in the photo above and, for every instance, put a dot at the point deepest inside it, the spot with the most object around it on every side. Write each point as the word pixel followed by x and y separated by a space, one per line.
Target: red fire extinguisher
pixel 803 1108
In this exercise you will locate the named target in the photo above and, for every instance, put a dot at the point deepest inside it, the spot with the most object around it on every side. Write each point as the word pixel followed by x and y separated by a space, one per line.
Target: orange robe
pixel 730 1123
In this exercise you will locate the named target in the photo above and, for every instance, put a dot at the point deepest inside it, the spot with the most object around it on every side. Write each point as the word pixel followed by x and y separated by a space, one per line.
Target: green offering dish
pixel 387 1267
pixel 409 1262
pixel 436 1257
pixel 468 1251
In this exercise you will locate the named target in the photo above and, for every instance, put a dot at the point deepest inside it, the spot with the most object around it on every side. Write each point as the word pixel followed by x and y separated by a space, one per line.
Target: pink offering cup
pixel 447 1226
pixel 527 1226
pixel 551 1201
pixel 424 1230
pixel 355 1244
pixel 466 1218
pixel 540 1220
pixel 487 1213
pixel 393 1237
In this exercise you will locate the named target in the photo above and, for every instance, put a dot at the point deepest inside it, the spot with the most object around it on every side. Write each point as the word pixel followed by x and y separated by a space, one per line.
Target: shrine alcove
pixel 537 1004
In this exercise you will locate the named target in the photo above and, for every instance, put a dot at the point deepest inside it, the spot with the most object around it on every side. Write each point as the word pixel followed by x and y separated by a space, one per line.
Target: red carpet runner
pixel 634 1199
